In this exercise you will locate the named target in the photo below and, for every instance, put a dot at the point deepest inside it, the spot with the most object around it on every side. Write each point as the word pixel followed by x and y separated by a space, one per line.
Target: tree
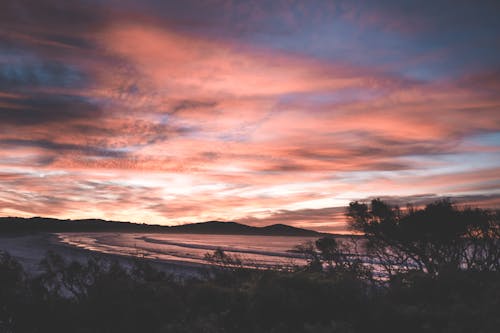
pixel 432 239
pixel 329 255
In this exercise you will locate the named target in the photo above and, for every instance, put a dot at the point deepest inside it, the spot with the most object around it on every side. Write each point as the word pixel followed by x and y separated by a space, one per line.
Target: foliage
pixel 103 296
pixel 332 257
pixel 223 260
pixel 437 238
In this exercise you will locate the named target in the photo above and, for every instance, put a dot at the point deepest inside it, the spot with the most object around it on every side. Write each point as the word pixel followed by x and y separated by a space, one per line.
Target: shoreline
pixel 29 249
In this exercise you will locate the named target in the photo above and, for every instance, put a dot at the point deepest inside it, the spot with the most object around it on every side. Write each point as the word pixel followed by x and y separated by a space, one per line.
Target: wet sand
pixel 30 249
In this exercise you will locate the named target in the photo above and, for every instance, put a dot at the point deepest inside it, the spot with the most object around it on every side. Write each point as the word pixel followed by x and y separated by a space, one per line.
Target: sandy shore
pixel 30 249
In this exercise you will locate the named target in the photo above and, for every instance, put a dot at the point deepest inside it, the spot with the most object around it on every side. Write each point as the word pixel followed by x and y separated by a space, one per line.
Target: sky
pixel 261 112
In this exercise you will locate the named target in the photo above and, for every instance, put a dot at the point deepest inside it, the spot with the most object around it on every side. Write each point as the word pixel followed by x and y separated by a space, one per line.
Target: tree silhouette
pixel 432 239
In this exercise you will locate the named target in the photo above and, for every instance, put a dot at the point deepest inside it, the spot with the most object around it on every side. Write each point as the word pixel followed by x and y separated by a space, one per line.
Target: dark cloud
pixel 424 199
pixel 36 109
pixel 15 76
pixel 43 161
pixel 55 16
pixel 192 104
pixel 63 147
pixel 375 147
pixel 42 67
pixel 385 146
pixel 483 82
pixel 210 155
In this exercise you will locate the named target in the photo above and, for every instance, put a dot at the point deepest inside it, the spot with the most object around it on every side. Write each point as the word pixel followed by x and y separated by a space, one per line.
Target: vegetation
pixel 431 240
pixel 448 281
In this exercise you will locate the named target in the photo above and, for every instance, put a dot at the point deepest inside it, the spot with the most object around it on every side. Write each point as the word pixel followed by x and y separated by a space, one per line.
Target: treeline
pixel 436 281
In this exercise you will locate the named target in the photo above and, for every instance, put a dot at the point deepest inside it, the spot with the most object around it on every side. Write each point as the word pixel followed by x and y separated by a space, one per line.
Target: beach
pixel 30 249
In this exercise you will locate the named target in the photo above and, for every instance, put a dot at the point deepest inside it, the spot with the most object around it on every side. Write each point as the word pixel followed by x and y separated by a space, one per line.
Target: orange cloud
pixel 176 127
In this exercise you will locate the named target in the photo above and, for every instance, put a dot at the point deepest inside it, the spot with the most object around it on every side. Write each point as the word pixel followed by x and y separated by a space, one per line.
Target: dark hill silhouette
pixel 284 229
pixel 41 224
pixel 217 227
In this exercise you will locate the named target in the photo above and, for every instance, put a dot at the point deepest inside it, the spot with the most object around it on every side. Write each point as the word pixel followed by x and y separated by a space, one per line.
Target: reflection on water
pixel 258 251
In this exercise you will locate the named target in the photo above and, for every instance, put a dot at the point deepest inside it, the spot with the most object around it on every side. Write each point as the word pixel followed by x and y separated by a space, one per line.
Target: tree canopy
pixel 437 237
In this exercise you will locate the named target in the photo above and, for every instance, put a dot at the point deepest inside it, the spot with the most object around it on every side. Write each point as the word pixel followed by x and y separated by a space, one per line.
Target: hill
pixel 41 224
pixel 217 227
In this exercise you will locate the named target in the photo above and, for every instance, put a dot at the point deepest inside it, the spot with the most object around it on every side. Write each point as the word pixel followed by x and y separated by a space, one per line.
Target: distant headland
pixel 42 224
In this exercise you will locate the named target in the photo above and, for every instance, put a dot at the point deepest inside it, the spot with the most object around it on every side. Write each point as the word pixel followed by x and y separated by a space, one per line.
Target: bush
pixel 103 296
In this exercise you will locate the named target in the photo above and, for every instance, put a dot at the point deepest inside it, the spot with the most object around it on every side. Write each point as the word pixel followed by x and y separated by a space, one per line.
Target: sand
pixel 30 249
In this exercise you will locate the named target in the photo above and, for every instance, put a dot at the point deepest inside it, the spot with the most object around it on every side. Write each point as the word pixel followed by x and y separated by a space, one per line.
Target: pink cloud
pixel 190 128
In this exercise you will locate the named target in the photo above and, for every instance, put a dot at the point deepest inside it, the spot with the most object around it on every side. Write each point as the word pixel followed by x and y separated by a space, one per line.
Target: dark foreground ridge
pixel 41 224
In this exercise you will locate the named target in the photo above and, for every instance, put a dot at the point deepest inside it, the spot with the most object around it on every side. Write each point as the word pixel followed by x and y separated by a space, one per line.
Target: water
pixel 255 251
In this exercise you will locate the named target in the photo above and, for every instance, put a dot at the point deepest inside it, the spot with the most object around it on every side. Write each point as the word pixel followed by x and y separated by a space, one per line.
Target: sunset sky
pixel 260 112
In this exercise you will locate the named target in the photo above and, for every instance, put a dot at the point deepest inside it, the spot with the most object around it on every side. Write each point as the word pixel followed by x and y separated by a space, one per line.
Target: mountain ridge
pixel 43 224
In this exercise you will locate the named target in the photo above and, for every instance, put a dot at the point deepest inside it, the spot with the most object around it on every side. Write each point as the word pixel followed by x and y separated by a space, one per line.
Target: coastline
pixel 30 248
